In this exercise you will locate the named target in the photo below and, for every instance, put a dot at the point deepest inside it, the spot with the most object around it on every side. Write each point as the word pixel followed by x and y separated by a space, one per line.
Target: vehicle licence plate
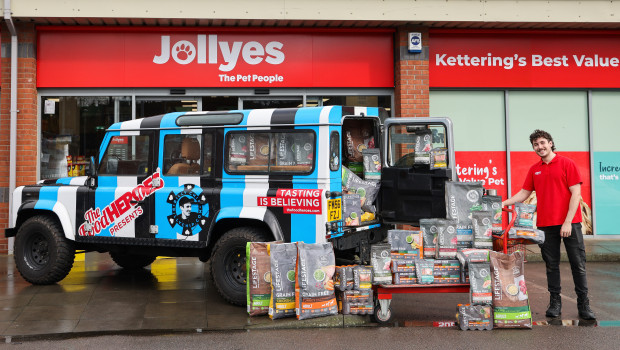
pixel 334 209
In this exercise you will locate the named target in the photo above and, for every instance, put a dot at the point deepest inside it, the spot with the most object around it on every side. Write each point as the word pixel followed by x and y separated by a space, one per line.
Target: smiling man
pixel 557 183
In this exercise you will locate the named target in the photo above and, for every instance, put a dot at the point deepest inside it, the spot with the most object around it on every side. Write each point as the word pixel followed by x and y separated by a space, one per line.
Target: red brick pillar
pixel 411 90
pixel 26 151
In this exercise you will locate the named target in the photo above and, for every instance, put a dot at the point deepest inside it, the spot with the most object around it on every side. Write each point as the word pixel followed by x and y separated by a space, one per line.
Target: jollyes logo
pixel 209 50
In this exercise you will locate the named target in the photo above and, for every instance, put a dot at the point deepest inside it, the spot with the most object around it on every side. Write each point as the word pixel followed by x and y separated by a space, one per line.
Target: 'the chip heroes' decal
pixel 98 220
pixel 294 201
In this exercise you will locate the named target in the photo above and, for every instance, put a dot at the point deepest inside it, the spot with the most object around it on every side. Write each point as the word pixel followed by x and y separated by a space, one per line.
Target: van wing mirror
pixel 92 167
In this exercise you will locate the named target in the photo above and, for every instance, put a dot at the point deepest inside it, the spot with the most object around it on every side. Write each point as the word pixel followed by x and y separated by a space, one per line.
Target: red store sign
pixel 213 57
pixel 524 59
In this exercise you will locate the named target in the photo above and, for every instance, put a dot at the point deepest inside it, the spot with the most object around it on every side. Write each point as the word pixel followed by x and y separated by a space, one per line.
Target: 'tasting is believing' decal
pixel 294 201
pixel 124 207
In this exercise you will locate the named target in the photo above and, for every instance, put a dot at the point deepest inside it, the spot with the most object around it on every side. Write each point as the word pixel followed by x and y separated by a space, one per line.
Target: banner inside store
pixel 213 57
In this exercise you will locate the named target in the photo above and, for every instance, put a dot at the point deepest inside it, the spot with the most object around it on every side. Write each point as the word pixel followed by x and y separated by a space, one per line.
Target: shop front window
pixel 72 128
pixel 383 101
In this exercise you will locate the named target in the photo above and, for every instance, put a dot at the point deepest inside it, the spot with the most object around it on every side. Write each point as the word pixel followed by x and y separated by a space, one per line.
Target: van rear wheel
pixel 228 267
pixel 42 253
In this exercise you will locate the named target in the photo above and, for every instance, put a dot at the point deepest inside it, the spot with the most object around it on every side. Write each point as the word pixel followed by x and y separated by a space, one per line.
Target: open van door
pixel 410 189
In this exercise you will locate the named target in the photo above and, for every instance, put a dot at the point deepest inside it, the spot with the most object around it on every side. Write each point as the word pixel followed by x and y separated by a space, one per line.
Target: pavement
pixel 177 295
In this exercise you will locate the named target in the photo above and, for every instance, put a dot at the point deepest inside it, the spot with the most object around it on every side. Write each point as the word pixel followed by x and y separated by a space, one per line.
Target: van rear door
pixel 410 189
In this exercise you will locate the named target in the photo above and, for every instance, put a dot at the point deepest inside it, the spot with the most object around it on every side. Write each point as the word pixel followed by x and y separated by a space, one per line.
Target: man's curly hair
pixel 545 135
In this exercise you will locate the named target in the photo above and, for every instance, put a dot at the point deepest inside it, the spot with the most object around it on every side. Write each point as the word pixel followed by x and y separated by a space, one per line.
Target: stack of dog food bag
pixel 353 286
pixel 299 279
pixel 524 225
pixel 477 315
pixel 405 246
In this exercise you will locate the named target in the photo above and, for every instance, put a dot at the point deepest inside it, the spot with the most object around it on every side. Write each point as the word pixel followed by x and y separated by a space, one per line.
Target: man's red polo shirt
pixel 551 182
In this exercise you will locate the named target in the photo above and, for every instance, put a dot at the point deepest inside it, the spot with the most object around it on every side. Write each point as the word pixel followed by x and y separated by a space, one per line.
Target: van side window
pixel 207 155
pixel 270 152
pixel 126 155
pixel 182 155
pixel 334 150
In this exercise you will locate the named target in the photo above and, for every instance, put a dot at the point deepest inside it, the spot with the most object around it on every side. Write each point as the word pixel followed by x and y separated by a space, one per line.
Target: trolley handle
pixel 504 235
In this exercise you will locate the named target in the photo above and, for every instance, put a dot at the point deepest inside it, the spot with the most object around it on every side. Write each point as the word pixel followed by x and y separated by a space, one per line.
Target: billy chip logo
pixel 185 201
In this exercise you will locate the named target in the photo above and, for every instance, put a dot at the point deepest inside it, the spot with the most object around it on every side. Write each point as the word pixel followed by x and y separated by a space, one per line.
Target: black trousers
pixel 576 255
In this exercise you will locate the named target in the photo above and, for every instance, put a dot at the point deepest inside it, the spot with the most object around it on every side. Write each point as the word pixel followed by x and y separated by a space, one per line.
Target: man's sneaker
pixel 583 305
pixel 555 306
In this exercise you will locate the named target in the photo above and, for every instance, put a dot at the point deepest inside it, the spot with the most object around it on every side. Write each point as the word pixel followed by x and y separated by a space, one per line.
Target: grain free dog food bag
pixel 283 257
pixel 381 260
pixel 258 153
pixel 429 230
pixel 358 136
pixel 466 256
pixel 525 215
pixel 480 283
pixel 362 277
pixel 314 285
pixel 367 190
pixel 423 146
pixel 439 158
pixel 446 239
pixel 511 306
pixel 483 229
pixel 372 164
pixel 259 278
pixel 238 149
pixel 531 234
pixel 494 204
pixel 351 209
pixel 343 278
pixel 284 151
pixel 474 317
pixel 424 269
pixel 461 198
pixel 302 149
pixel 403 266
pixel 405 241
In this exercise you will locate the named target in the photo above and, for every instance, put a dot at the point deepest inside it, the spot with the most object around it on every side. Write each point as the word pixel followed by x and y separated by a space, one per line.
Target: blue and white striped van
pixel 205 183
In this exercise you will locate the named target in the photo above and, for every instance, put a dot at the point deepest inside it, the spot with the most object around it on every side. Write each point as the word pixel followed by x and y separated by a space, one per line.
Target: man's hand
pixel 566 229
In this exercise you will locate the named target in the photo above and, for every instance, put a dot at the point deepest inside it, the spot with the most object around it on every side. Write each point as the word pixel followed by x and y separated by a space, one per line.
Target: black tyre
pixel 132 261
pixel 228 267
pixel 42 253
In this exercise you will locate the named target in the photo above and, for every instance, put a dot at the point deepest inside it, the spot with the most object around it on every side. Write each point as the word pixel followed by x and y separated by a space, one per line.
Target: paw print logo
pixel 183 52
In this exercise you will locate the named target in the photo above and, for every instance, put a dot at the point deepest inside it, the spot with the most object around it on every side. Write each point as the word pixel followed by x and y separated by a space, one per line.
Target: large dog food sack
pixel 259 278
pixel 511 307
pixel 283 257
pixel 461 198
pixel 314 286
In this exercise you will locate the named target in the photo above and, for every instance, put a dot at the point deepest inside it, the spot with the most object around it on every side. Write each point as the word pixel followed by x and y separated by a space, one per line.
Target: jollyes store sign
pixel 524 59
pixel 212 57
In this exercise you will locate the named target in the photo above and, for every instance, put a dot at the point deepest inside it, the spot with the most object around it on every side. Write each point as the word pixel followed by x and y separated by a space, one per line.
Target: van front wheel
pixel 228 267
pixel 42 253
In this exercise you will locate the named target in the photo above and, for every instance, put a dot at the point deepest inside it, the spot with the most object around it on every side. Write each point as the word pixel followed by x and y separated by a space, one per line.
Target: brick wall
pixel 411 76
pixel 26 153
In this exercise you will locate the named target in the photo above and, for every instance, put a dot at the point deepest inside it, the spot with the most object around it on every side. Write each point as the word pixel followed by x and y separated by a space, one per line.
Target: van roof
pixel 250 117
